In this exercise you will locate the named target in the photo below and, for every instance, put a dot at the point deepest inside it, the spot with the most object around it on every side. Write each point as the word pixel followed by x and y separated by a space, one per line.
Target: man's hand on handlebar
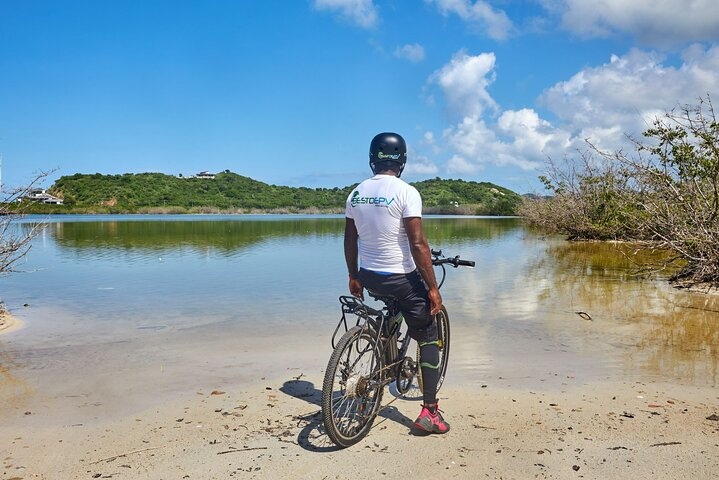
pixel 356 288
pixel 435 301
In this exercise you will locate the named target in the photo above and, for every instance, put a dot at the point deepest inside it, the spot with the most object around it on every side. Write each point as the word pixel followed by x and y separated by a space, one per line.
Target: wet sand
pixel 272 429
pixel 8 323
pixel 217 402
pixel 126 408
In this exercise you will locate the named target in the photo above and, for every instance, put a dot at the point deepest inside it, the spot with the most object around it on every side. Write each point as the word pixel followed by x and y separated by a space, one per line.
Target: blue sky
pixel 291 92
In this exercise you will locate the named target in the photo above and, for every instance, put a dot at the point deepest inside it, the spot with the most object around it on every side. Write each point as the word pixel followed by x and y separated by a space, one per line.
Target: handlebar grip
pixel 465 263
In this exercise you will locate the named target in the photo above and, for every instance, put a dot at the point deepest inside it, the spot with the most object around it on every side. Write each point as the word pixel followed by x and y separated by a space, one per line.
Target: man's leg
pixel 411 293
pixel 423 328
pixel 429 363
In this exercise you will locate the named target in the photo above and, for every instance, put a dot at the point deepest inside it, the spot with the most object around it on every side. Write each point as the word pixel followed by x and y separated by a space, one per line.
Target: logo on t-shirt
pixel 376 201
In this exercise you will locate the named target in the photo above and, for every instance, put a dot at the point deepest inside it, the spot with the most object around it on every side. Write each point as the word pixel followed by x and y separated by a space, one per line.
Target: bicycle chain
pixel 398 362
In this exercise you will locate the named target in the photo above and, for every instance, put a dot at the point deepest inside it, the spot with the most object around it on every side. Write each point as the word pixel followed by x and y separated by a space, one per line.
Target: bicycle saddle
pixel 386 299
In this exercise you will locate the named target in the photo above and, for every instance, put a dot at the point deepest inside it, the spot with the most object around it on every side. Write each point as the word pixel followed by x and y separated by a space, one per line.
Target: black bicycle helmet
pixel 388 147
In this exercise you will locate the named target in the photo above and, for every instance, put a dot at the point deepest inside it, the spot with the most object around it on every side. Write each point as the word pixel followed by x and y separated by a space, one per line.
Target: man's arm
pixel 351 251
pixel 422 257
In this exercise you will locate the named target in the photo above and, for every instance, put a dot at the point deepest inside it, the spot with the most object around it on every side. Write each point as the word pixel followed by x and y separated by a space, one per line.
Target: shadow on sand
pixel 313 437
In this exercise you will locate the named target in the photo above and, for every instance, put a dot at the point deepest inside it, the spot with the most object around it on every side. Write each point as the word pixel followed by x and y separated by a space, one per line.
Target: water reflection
pixel 226 237
pixel 659 330
pixel 199 286
pixel 145 269
pixel 238 233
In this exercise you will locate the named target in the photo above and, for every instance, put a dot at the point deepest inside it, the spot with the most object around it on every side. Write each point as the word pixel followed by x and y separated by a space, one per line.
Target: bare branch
pixel 666 192
pixel 16 237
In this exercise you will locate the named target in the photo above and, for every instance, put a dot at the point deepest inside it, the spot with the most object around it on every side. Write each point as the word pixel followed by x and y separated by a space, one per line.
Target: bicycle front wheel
pixel 442 319
pixel 352 387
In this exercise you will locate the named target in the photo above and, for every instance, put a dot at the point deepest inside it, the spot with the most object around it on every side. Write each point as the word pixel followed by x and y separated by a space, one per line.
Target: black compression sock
pixel 429 363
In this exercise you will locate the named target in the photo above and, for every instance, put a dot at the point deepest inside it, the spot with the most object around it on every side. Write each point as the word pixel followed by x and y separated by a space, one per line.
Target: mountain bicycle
pixel 371 355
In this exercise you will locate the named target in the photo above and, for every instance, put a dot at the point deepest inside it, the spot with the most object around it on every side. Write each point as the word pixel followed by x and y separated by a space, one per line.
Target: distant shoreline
pixel 176 211
pixel 53 210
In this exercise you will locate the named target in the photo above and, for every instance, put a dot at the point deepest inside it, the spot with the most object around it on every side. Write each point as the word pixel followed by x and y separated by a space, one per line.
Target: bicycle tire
pixel 443 336
pixel 344 424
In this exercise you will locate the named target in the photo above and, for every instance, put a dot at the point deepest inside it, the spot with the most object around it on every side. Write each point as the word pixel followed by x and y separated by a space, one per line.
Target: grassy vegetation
pixel 476 198
pixel 232 193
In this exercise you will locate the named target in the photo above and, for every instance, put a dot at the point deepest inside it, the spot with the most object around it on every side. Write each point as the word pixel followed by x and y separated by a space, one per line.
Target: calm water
pixel 140 308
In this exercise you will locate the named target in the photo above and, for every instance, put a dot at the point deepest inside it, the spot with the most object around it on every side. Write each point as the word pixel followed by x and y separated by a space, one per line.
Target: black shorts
pixel 411 292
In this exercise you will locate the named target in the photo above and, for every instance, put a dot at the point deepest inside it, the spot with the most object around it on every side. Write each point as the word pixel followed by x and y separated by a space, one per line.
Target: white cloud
pixel 532 137
pixel 479 15
pixel 653 22
pixel 414 52
pixel 626 94
pixel 477 143
pixel 471 138
pixel 420 165
pixel 360 12
pixel 601 103
pixel 458 164
pixel 464 81
pixel 429 142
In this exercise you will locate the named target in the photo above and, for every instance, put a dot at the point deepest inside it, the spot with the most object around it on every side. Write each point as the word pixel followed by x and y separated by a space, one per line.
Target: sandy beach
pixel 272 430
pixel 127 370
pixel 8 323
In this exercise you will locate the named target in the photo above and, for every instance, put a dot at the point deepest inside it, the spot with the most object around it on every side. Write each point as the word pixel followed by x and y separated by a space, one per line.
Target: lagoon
pixel 126 312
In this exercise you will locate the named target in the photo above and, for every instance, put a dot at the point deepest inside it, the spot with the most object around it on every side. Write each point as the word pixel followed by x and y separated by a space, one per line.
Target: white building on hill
pixel 40 195
pixel 205 175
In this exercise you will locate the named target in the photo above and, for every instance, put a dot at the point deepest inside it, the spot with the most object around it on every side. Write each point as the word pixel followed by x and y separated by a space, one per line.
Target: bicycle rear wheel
pixel 352 387
pixel 442 319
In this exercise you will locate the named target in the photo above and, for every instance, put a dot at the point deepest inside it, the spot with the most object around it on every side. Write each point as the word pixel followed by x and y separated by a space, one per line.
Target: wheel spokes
pixel 353 400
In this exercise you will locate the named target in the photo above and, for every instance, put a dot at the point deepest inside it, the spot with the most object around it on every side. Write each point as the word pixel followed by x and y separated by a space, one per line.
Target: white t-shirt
pixel 377 207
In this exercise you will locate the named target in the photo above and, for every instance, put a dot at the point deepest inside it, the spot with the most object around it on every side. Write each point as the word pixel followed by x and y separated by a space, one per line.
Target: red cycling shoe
pixel 431 422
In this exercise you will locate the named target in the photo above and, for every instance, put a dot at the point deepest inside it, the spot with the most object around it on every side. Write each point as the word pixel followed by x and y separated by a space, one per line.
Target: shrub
pixel 665 193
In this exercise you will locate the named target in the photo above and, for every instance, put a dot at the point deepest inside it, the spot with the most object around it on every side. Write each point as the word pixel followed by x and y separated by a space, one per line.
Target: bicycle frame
pixel 355 306
pixel 393 349
pixel 378 319
pixel 352 389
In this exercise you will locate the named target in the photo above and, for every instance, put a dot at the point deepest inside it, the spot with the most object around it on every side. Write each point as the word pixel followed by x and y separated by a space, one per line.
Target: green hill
pixel 230 192
pixel 478 198
pixel 226 191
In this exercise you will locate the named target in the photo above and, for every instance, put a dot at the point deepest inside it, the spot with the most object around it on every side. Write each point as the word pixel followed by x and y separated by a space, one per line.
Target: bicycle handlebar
pixel 438 261
pixel 454 261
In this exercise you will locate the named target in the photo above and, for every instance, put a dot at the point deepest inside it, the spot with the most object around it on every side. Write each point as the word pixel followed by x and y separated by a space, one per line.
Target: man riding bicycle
pixel 383 225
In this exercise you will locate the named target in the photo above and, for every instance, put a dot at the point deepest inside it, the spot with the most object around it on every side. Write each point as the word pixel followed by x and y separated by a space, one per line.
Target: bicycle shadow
pixel 312 437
